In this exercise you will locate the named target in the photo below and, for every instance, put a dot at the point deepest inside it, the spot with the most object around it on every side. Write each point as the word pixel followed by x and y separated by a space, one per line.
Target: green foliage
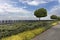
pixel 58 18
pixel 53 17
pixel 40 13
pixel 8 30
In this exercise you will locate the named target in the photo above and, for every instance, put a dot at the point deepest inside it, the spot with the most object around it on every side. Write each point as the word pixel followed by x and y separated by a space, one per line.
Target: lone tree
pixel 40 13
pixel 54 17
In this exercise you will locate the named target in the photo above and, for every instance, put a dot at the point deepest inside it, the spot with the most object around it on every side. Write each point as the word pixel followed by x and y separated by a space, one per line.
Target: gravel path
pixel 51 34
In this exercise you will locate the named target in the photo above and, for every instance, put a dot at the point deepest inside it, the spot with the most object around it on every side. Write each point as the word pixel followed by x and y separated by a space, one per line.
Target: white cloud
pixel 59 1
pixel 9 8
pixel 32 2
pixel 55 10
pixel 8 11
pixel 35 2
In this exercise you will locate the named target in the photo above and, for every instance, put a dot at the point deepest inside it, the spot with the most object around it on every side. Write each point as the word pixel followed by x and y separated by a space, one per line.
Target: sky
pixel 24 9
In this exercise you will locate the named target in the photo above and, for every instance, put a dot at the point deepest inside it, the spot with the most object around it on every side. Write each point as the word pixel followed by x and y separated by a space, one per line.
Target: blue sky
pixel 24 9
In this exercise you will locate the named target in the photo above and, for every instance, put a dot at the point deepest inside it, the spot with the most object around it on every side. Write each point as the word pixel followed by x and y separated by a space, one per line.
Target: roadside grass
pixel 54 23
pixel 27 35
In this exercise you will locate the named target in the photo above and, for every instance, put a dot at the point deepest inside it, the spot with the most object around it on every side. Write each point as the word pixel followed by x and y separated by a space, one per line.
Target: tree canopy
pixel 40 13
pixel 53 17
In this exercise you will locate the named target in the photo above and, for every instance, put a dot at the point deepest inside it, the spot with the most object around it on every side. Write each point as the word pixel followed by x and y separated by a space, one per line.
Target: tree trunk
pixel 39 19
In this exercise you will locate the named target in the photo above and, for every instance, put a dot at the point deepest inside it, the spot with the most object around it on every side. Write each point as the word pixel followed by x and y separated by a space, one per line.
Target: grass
pixel 27 35
pixel 54 23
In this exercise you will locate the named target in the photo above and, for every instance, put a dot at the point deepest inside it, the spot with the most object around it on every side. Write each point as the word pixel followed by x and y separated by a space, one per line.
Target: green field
pixel 20 30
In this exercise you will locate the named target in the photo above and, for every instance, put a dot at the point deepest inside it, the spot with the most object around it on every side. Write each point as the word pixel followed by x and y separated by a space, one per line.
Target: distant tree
pixel 58 18
pixel 53 17
pixel 40 13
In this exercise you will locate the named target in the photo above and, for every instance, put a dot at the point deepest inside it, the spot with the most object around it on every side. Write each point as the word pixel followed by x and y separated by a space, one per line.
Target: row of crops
pixel 13 29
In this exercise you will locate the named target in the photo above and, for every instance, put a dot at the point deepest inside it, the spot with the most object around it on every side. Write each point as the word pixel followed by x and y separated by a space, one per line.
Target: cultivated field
pixel 23 30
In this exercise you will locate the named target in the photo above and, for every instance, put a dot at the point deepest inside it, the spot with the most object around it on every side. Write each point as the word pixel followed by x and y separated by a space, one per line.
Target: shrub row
pixel 21 27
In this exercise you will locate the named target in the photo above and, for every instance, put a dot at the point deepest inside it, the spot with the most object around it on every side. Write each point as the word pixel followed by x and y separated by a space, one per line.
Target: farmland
pixel 23 30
